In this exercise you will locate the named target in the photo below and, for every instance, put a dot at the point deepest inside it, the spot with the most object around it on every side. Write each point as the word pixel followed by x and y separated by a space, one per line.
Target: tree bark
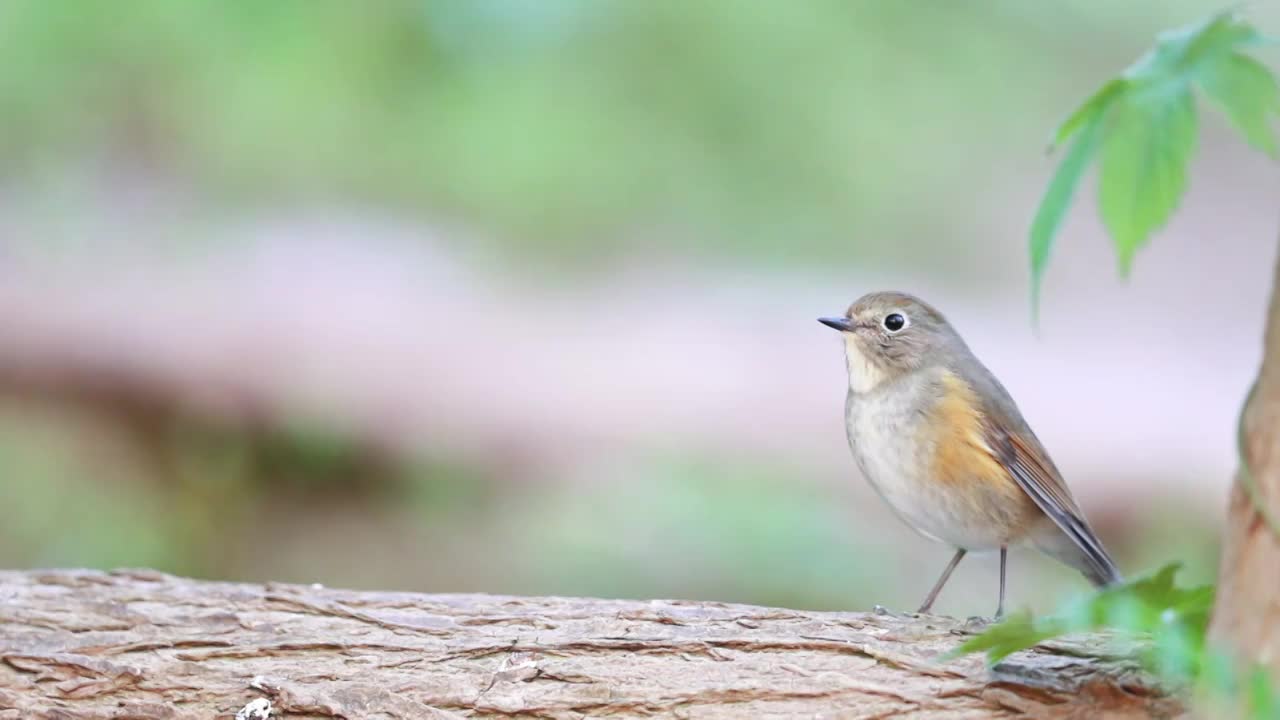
pixel 138 644
pixel 1246 614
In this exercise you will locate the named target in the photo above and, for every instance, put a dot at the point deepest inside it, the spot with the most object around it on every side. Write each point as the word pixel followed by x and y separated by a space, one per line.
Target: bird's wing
pixel 1029 465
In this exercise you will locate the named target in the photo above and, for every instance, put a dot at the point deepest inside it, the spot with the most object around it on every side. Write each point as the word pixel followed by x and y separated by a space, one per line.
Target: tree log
pixel 1246 613
pixel 143 645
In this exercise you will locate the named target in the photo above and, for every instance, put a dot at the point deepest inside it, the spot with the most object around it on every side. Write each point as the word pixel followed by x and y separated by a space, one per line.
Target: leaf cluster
pixel 1141 128
pixel 1163 624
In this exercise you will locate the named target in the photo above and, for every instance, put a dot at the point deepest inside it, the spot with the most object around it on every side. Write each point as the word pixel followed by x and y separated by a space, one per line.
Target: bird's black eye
pixel 893 322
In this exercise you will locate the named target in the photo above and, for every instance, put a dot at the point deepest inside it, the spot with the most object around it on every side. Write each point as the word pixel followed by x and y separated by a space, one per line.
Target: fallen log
pixel 137 644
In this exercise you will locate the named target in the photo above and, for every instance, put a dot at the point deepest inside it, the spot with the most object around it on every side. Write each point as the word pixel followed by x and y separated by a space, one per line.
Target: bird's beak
pixel 841 324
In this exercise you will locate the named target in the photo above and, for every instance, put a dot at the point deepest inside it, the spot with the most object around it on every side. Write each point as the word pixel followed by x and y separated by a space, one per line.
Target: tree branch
pixel 138 644
pixel 1246 613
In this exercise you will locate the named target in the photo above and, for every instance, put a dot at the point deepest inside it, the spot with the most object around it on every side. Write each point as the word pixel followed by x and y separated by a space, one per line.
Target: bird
pixel 945 446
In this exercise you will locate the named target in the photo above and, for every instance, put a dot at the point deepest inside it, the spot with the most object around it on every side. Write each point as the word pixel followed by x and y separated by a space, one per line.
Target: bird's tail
pixel 1095 563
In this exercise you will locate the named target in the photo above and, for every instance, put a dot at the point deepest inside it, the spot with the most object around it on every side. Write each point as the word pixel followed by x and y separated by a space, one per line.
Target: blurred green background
pixel 518 295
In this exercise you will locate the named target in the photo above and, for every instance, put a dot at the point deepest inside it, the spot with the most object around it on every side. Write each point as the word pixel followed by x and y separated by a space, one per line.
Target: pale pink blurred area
pixel 405 338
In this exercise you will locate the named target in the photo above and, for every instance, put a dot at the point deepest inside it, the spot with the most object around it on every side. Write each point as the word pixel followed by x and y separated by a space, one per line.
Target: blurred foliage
pixel 570 127
pixel 705 528
pixel 58 513
pixel 1165 625
pixel 1144 125
pixel 1176 618
pixel 299 505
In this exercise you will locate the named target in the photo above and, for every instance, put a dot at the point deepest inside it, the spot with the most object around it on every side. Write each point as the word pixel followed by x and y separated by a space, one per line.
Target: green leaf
pixel 1056 200
pixel 1176 618
pixel 1264 702
pixel 1218 673
pixel 1144 164
pixel 1247 92
pixel 1017 632
pixel 1144 123
pixel 1228 688
pixel 1180 51
pixel 1177 652
pixel 1091 111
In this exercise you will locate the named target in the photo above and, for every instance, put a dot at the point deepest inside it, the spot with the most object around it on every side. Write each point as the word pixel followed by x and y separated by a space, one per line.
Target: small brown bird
pixel 939 439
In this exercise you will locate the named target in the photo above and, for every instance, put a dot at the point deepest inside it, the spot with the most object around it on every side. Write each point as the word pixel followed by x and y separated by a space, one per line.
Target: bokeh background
pixel 518 296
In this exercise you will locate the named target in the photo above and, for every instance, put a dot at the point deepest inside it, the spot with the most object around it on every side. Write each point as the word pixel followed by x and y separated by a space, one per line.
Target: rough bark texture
pixel 136 644
pixel 1246 614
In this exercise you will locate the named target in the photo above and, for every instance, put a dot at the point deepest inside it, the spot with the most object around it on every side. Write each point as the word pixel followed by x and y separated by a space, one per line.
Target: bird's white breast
pixel 864 375
pixel 886 446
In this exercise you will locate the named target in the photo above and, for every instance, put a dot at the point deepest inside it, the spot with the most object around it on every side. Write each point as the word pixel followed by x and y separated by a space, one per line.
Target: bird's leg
pixel 1004 554
pixel 937 587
